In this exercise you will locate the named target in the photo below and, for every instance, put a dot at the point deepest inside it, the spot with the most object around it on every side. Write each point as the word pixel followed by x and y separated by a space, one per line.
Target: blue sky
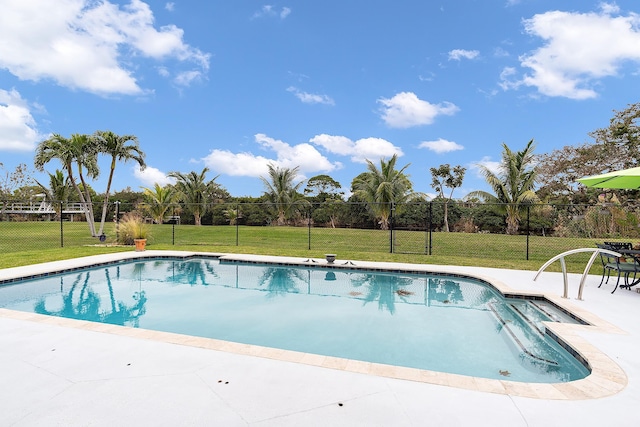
pixel 322 85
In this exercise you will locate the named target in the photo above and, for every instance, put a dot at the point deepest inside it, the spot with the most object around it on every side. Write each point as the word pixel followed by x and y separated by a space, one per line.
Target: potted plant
pixel 132 230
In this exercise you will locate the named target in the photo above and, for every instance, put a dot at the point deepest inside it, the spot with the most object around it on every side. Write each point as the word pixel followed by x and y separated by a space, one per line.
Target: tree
pixel 281 191
pixel 251 210
pixel 195 191
pixel 324 190
pixel 383 188
pixel 78 153
pixel 57 191
pixel 623 135
pixel 10 182
pixel 323 186
pixel 513 187
pixel 120 148
pixel 444 177
pixel 159 201
pixel 615 147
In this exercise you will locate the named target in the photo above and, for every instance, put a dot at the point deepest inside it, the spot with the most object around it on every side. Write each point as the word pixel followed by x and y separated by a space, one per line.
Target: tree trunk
pixel 384 223
pixel 106 197
pixel 512 225
pixel 446 216
pixel 86 207
pixel 282 220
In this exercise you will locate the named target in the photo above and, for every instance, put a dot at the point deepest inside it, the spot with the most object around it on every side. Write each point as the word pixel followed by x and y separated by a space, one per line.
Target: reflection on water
pixel 193 272
pixel 90 295
pixel 446 291
pixel 82 303
pixel 384 289
pixel 280 281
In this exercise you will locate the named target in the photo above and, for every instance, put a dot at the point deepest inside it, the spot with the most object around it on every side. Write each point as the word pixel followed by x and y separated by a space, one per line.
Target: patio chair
pixel 624 267
pixel 619 245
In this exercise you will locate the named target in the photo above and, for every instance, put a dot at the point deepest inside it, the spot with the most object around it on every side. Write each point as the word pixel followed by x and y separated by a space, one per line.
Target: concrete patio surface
pixel 59 372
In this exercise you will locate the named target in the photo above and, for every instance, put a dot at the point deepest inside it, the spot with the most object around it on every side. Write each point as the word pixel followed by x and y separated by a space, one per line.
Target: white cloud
pixel 185 78
pixel 441 146
pixel 506 78
pixel 304 156
pixel 360 151
pixel 84 44
pixel 151 176
pixel 18 131
pixel 488 163
pixel 310 98
pixel 170 6
pixel 458 54
pixel 406 110
pixel 609 8
pixel 163 71
pixel 500 52
pixel 270 10
pixel 237 164
pixel 579 49
pixel 427 78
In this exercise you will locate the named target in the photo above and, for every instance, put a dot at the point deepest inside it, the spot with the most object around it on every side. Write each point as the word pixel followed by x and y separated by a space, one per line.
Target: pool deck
pixel 64 372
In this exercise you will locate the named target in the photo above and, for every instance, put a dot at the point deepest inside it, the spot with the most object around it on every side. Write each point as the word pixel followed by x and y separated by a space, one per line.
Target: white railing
pixel 39 207
pixel 596 252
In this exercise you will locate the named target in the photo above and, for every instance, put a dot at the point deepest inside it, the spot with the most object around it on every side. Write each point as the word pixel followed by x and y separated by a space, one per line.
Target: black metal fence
pixel 452 229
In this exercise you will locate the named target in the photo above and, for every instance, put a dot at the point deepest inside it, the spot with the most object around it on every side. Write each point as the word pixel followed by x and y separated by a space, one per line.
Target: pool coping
pixel 606 377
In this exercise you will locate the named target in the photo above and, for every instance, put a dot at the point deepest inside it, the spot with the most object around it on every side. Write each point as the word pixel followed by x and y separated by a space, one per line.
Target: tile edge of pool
pixel 606 377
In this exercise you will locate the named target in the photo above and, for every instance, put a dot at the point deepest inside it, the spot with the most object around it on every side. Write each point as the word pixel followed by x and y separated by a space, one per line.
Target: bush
pixel 131 227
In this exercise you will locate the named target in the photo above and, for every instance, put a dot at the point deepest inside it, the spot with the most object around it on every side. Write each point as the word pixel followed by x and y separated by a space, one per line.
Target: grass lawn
pixel 23 243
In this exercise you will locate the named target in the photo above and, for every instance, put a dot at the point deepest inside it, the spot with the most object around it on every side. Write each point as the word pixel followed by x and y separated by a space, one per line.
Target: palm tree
pixel 195 192
pixel 161 199
pixel 281 191
pixel 86 159
pixel 233 215
pixel 383 188
pixel 120 148
pixel 57 191
pixel 513 187
pixel 79 153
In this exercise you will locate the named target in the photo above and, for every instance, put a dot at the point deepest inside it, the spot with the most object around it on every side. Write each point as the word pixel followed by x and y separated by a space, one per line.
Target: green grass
pixel 24 243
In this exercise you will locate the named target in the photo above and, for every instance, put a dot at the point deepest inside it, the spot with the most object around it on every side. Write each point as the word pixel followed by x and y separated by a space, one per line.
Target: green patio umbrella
pixel 624 179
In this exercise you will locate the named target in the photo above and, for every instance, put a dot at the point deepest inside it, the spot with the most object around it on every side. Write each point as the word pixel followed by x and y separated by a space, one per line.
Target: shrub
pixel 132 226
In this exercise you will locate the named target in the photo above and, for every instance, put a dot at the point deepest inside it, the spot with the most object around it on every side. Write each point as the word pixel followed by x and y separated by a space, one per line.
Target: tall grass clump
pixel 131 227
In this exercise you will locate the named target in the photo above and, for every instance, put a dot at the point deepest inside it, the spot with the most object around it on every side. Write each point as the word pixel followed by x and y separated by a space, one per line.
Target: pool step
pixel 525 333
pixel 555 314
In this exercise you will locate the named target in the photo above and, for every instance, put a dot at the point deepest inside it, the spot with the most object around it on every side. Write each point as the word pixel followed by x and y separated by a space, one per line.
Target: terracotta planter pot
pixel 140 244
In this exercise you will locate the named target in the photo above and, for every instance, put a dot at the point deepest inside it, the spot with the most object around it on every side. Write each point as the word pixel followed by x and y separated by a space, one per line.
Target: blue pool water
pixel 434 322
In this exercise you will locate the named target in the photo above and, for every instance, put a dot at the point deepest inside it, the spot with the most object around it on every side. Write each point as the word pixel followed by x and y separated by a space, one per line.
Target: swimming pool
pixel 425 321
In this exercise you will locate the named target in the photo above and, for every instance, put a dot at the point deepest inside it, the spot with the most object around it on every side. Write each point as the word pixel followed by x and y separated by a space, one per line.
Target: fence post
pixel 173 226
pixel 429 226
pixel 528 231
pixel 391 228
pixel 61 228
pixel 117 203
pixel 237 224
pixel 309 227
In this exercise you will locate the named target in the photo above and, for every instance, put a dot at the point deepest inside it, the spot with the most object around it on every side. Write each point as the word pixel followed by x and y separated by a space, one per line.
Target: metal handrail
pixel 596 252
